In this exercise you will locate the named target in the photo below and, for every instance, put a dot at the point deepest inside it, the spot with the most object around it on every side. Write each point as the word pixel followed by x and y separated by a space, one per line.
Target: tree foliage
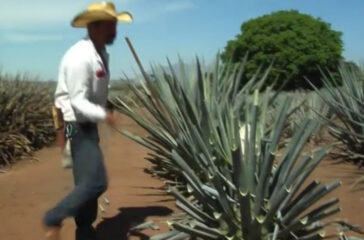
pixel 297 44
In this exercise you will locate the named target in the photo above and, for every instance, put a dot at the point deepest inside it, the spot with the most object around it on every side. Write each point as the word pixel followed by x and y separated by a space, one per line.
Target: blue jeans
pixel 90 182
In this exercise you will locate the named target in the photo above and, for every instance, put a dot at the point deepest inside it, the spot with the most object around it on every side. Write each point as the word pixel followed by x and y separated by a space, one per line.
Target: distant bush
pixel 296 43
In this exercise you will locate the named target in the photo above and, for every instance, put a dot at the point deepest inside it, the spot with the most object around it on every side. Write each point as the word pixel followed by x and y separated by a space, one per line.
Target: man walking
pixel 81 95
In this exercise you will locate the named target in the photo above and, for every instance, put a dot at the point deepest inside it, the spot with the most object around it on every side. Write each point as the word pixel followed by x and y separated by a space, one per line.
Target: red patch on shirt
pixel 100 73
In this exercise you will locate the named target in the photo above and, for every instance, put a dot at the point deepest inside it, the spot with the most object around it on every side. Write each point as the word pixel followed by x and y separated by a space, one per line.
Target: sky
pixel 35 34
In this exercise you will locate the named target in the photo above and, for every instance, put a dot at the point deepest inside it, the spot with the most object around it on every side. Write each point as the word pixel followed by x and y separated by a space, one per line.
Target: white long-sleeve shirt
pixel 83 82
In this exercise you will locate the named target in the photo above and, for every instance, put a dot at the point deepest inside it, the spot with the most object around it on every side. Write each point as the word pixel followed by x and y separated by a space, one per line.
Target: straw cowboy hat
pixel 98 12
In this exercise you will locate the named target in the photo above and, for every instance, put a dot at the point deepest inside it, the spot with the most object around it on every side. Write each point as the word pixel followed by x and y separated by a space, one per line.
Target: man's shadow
pixel 118 227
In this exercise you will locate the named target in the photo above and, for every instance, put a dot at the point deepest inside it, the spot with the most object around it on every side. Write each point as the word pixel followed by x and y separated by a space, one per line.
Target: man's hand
pixel 110 119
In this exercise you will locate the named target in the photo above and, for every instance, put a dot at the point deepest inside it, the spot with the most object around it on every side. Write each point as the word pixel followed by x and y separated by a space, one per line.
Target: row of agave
pixel 25 116
pixel 345 98
pixel 222 151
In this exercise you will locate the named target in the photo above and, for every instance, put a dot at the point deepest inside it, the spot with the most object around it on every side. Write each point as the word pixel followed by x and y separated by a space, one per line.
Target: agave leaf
pixel 305 191
pixel 193 209
pixel 224 202
pixel 309 199
pixel 293 150
pixel 200 226
pixel 164 236
pixel 307 219
pixel 270 155
pixel 302 166
pixel 301 178
pixel 194 232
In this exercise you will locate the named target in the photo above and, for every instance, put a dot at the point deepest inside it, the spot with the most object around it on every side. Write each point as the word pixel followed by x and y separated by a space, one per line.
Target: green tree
pixel 298 44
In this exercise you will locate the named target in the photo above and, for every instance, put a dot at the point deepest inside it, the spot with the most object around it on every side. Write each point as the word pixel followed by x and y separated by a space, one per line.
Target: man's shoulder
pixel 80 50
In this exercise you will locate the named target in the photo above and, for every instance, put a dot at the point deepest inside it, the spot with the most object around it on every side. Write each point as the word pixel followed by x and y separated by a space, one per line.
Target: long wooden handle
pixel 57 118
pixel 145 75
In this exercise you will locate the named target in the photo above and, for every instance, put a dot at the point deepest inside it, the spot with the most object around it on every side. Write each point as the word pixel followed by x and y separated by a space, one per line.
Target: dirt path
pixel 30 188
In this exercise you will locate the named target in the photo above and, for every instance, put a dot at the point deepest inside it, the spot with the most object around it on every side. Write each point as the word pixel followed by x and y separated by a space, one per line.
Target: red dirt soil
pixel 32 187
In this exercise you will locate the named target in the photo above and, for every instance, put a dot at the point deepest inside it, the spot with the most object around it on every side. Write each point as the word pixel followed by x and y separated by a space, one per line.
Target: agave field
pixel 235 156
pixel 25 117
